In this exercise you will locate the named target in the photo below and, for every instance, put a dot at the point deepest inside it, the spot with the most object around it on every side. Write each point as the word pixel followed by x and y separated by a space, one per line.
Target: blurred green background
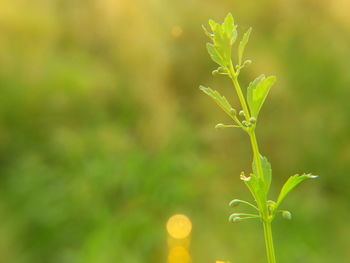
pixel 104 134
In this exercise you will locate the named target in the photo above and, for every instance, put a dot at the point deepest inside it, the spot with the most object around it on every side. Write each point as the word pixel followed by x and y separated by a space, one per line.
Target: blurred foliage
pixel 104 134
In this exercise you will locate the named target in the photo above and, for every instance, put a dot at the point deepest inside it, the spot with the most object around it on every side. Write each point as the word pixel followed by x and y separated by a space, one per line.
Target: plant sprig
pixel 223 37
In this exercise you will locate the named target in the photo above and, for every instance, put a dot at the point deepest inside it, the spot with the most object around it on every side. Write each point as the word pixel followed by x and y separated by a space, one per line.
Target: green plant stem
pixel 233 77
pixel 256 153
pixel 270 251
pixel 264 212
pixel 251 133
pixel 252 136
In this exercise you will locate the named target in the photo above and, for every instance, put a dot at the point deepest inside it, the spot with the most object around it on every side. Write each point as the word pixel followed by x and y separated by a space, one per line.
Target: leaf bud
pixel 219 70
pixel 311 176
pixel 219 126
pixel 286 215
pixel 233 111
pixel 241 113
pixel 222 70
pixel 271 203
pixel 247 62
pixel 235 202
pixel 215 72
pixel 234 218
pixel 252 120
pixel 245 178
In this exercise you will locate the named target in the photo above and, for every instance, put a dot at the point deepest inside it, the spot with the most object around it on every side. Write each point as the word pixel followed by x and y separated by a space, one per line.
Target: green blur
pixel 104 133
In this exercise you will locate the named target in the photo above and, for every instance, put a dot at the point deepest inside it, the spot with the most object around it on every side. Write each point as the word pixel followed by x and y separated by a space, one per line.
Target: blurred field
pixel 104 134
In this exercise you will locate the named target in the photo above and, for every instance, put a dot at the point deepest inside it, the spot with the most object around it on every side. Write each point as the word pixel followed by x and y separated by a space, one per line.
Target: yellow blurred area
pixel 179 226
pixel 179 255
pixel 176 31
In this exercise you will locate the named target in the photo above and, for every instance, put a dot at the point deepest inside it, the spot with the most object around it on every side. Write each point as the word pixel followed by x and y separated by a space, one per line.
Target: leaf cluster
pixel 223 37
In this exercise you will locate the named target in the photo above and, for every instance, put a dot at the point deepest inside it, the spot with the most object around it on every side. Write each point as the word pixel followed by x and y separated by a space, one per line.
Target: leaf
pixel 242 45
pixel 214 54
pixel 256 188
pixel 210 35
pixel 228 24
pixel 213 25
pixel 267 172
pixel 219 99
pixel 257 93
pixel 223 37
pixel 234 35
pixel 230 29
pixel 291 183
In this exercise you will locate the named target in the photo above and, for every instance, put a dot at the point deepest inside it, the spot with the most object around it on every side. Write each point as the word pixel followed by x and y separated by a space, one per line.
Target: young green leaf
pixel 228 24
pixel 214 54
pixel 229 28
pixel 219 99
pixel 267 172
pixel 210 35
pixel 222 44
pixel 291 183
pixel 213 25
pixel 242 45
pixel 256 187
pixel 257 93
pixel 223 37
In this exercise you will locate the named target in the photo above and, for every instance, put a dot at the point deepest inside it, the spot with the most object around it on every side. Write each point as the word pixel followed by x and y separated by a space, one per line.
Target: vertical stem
pixel 252 136
pixel 270 251
pixel 256 154
pixel 264 211
pixel 239 92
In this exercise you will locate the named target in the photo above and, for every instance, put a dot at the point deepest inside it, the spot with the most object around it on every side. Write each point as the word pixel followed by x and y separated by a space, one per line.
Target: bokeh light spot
pixel 179 226
pixel 179 255
pixel 176 31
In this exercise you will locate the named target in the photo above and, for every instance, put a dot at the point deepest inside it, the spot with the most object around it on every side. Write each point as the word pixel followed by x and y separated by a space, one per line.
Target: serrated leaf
pixel 214 54
pixel 222 45
pixel 257 92
pixel 267 172
pixel 242 45
pixel 291 183
pixel 223 37
pixel 218 98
